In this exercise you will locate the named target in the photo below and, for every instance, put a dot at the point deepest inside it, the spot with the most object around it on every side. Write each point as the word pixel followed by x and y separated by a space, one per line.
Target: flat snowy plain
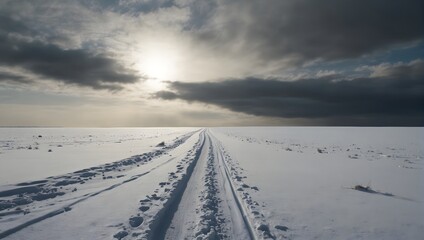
pixel 212 183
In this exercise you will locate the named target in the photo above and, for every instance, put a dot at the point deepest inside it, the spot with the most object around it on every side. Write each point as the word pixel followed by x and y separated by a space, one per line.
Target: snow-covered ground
pixel 217 183
pixel 24 152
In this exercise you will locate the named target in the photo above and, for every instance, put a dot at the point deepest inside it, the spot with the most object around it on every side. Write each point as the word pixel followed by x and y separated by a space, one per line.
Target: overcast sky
pixel 133 63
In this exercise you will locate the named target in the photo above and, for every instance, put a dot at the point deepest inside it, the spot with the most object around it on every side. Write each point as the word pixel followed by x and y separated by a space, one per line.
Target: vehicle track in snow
pixel 250 209
pixel 26 190
pixel 203 197
pixel 206 205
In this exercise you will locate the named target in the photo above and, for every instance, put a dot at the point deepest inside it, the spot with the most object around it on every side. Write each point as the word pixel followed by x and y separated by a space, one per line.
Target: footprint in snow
pixel 282 228
pixel 136 221
pixel 120 235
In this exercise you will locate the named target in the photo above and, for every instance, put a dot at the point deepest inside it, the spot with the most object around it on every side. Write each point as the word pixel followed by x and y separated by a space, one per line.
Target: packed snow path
pixel 209 207
pixel 190 193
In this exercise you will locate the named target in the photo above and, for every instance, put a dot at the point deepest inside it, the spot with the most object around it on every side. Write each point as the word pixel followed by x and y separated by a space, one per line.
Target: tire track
pixel 68 207
pixel 200 200
pixel 230 191
pixel 162 221
pixel 214 216
pixel 252 216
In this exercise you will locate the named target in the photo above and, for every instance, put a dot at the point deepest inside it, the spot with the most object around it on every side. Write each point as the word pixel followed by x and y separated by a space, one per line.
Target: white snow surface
pixel 24 152
pixel 212 183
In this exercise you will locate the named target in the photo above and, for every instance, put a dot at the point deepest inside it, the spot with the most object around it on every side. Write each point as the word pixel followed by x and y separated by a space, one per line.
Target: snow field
pixel 25 156
pixel 226 183
pixel 306 179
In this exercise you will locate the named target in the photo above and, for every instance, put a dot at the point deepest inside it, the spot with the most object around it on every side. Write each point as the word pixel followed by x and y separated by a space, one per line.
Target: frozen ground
pixel 218 183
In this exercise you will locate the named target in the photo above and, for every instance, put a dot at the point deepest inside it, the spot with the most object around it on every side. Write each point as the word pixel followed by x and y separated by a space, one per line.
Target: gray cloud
pixel 8 77
pixel 414 69
pixel 72 66
pixel 132 7
pixel 8 25
pixel 396 99
pixel 303 30
pixel 200 12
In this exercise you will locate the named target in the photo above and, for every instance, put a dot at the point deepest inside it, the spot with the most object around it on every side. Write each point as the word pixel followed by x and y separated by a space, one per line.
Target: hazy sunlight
pixel 159 64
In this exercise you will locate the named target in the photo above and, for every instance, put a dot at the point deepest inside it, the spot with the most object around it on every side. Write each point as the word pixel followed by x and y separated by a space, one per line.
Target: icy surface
pixel 217 183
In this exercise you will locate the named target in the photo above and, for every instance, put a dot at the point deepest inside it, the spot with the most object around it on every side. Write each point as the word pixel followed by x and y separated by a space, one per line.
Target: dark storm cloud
pixel 393 99
pixel 8 77
pixel 8 25
pixel 304 30
pixel 73 66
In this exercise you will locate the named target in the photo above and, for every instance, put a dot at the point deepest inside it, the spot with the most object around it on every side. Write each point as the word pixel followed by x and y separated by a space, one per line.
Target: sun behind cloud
pixel 159 63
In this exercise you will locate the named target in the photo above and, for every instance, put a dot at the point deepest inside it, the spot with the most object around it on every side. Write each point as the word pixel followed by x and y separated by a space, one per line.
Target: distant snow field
pixel 212 183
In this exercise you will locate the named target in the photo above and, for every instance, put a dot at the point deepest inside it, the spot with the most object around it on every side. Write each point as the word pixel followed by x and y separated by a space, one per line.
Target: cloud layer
pixel 303 30
pixel 395 97
pixel 21 49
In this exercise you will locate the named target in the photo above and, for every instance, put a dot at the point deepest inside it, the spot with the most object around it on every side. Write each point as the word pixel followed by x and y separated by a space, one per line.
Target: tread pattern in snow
pixel 211 221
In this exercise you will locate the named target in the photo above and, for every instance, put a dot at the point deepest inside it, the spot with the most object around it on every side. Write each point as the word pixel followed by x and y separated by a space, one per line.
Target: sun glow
pixel 159 64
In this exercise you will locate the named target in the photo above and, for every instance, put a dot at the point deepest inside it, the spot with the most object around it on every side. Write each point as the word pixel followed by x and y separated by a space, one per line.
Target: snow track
pixel 124 172
pixel 234 204
pixel 251 215
pixel 206 206
pixel 191 192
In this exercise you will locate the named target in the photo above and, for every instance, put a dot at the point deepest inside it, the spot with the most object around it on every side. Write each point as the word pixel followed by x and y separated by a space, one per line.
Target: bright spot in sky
pixel 154 84
pixel 159 64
